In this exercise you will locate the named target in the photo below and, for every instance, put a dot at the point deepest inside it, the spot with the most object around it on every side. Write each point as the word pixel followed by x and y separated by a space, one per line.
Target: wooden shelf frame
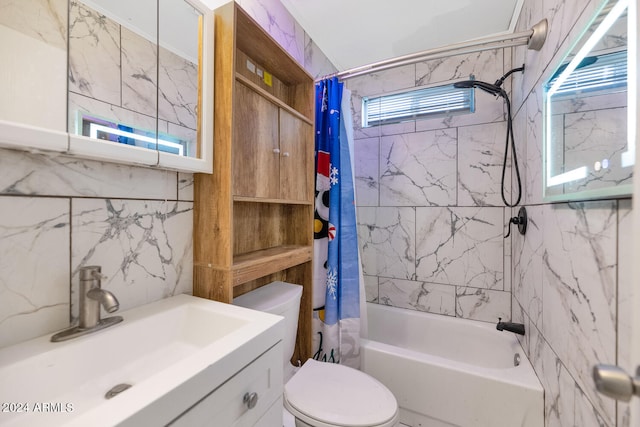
pixel 271 201
pixel 272 98
pixel 253 265
pixel 243 242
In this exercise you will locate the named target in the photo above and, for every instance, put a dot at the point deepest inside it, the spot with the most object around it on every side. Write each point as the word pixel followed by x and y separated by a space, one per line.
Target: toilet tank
pixel 278 298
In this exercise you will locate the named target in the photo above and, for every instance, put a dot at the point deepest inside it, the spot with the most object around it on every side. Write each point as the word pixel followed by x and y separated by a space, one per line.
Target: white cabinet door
pixel 244 398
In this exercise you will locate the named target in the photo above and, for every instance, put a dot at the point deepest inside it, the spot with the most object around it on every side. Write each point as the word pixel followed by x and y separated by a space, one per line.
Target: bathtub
pixel 447 371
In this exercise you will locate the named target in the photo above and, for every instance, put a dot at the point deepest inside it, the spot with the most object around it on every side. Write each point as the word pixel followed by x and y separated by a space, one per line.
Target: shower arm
pixel 533 38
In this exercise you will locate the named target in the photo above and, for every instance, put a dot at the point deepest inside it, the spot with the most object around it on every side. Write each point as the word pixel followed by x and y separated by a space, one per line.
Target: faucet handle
pixel 98 275
pixel 91 272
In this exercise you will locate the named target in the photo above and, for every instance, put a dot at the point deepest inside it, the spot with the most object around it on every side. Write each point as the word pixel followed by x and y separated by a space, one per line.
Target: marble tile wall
pixel 434 243
pixel 430 215
pixel 571 271
pixel 116 74
pixel 60 213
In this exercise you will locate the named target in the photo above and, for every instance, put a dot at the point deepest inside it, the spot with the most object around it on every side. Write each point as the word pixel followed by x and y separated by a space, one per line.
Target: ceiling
pixel 358 32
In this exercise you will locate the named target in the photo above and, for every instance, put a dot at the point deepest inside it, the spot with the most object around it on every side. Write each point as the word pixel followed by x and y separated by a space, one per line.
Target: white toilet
pixel 321 394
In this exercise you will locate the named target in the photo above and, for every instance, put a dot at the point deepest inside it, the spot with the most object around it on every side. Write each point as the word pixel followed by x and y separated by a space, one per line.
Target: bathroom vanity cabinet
pixel 254 215
pixel 251 397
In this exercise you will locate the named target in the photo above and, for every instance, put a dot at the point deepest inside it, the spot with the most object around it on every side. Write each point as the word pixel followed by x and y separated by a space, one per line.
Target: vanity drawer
pixel 228 405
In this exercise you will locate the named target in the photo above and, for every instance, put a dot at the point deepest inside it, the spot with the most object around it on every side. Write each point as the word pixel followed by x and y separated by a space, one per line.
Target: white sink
pixel 172 351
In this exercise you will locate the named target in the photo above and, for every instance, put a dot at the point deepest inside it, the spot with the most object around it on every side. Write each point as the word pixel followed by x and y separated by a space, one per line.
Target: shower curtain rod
pixel 533 38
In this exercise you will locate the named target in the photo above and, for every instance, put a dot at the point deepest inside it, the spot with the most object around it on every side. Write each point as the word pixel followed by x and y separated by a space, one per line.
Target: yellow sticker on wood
pixel 267 79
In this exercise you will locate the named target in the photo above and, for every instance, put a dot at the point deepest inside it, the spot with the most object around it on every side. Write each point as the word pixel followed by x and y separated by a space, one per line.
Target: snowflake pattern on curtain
pixel 336 294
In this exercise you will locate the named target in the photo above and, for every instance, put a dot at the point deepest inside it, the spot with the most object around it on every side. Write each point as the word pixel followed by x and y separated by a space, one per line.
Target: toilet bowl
pixel 328 395
pixel 321 394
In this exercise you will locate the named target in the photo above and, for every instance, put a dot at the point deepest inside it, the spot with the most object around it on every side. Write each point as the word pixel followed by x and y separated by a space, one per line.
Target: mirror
pixel 138 81
pixel 588 152
pixel 178 76
pixel 33 53
pixel 113 71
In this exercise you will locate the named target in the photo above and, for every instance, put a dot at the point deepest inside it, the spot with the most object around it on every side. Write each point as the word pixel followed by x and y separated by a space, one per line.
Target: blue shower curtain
pixel 336 297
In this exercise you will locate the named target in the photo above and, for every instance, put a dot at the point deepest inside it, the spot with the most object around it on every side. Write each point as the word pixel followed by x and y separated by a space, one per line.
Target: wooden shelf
pixel 253 265
pixel 275 100
pixel 271 201
pixel 253 216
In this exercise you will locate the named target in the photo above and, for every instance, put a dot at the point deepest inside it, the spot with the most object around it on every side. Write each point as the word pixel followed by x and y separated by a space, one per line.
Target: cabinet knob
pixel 285 154
pixel 250 399
pixel 276 150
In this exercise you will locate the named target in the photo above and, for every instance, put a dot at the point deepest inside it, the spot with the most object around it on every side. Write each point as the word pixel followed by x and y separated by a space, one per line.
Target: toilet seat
pixel 331 395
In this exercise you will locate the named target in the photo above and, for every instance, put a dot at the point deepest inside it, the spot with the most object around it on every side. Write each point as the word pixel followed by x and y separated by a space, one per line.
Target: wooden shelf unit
pixel 253 217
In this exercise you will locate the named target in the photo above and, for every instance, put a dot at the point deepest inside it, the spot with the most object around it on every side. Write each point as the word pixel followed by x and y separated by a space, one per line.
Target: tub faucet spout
pixel 516 328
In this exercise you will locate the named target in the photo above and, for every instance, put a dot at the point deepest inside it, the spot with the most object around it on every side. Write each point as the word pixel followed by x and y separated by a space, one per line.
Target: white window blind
pixel 419 103
pixel 607 71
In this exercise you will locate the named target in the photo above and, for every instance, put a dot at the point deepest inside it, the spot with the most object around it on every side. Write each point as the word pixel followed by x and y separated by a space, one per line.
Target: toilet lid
pixel 340 396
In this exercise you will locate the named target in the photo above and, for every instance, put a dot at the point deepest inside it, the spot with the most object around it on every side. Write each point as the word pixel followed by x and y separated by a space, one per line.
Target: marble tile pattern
pixel 139 84
pixel 418 169
pixel 572 270
pixel 366 167
pixel 185 186
pixel 581 295
pixel 626 291
pixel 34 275
pixel 532 167
pixel 315 61
pixel 559 387
pixel 565 272
pixel 371 288
pixel 527 265
pixel 480 157
pixel 140 244
pixel 114 74
pixel 387 241
pixel 177 89
pixel 444 175
pixel 274 18
pixel 595 136
pixel 31 174
pixel 416 295
pixel 482 304
pixel 587 130
pixel 94 54
pixel 460 246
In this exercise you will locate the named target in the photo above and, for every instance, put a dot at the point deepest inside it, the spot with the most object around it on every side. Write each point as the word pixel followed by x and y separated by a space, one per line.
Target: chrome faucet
pixel 91 297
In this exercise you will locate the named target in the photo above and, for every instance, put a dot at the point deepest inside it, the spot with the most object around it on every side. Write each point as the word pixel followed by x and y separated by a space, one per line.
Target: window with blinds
pixel 602 72
pixel 415 104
